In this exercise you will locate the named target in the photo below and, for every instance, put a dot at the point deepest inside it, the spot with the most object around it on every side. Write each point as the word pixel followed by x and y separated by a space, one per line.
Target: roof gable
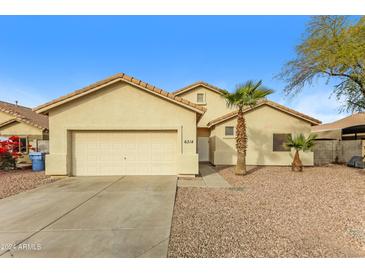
pixel 25 115
pixel 272 104
pixel 9 122
pixel 114 79
pixel 198 84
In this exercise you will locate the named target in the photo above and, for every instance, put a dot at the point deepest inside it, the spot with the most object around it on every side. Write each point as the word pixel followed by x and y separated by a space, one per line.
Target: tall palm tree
pixel 299 142
pixel 245 95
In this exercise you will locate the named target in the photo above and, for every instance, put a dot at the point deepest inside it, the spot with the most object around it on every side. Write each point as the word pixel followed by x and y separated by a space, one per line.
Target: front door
pixel 203 149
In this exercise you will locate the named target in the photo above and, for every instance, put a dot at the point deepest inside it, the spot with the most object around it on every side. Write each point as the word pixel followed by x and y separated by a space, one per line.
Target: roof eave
pixel 213 122
pixel 313 121
pixel 44 109
pixel 323 130
pixel 6 123
pixel 19 118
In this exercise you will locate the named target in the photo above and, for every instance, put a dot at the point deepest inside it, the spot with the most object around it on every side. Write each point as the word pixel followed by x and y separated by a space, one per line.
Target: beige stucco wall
pixel 120 107
pixel 20 129
pixel 261 124
pixel 5 117
pixel 215 104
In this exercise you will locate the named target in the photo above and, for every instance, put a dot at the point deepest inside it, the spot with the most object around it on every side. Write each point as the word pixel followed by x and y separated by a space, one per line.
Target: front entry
pixel 203 149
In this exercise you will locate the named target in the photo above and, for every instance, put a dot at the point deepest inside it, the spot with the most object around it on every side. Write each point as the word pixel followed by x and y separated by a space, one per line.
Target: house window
pixel 279 141
pixel 229 131
pixel 200 98
pixel 23 145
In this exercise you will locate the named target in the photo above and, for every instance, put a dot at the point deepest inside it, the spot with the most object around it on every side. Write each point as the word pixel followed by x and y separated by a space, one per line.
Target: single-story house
pixel 31 127
pixel 123 126
pixel 349 128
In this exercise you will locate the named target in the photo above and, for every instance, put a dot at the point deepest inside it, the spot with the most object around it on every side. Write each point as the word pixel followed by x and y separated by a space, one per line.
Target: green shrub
pixel 7 161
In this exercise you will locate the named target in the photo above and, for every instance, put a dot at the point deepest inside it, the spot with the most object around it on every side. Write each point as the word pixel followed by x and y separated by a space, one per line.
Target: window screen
pixel 200 98
pixel 229 131
pixel 279 141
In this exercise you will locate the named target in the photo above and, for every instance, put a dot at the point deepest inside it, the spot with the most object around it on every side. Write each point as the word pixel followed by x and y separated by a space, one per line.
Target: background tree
pixel 333 48
pixel 300 143
pixel 245 95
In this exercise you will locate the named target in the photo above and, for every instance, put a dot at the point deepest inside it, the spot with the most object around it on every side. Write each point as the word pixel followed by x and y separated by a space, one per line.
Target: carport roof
pixel 113 79
pixel 353 120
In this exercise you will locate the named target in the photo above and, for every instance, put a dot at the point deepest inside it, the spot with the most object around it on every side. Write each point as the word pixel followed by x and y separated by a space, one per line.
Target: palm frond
pixel 309 142
pixel 247 94
pixel 300 142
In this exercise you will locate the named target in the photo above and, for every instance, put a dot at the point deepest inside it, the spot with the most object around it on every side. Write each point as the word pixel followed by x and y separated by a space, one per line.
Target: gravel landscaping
pixel 273 212
pixel 13 182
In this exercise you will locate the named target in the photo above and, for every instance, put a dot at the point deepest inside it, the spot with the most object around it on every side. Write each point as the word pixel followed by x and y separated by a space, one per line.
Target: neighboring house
pixel 123 126
pixel 349 128
pixel 31 127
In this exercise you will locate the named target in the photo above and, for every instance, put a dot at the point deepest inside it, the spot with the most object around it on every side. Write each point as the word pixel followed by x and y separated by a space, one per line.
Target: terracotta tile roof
pixel 290 111
pixel 125 78
pixel 224 118
pixel 349 121
pixel 198 84
pixel 25 115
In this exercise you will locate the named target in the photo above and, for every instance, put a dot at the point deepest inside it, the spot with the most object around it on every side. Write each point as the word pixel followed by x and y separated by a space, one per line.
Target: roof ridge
pixel 15 105
pixel 129 79
pixel 203 83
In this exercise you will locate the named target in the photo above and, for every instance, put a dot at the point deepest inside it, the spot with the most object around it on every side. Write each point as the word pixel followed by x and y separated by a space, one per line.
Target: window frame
pixel 283 148
pixel 233 132
pixel 203 99
pixel 26 145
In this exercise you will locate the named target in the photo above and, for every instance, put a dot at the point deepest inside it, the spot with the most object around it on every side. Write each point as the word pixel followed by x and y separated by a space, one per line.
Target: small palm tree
pixel 245 95
pixel 300 143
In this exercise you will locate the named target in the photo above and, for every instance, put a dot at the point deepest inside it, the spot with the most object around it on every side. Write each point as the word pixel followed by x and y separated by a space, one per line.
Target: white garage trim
pixel 124 152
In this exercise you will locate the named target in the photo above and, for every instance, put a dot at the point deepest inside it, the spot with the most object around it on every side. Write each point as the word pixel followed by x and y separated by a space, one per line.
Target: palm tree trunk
pixel 297 163
pixel 241 143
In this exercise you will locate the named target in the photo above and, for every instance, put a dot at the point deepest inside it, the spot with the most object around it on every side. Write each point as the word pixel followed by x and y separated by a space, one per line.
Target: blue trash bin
pixel 37 159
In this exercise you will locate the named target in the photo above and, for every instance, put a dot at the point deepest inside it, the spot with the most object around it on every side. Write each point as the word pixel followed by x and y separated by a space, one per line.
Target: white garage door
pixel 124 153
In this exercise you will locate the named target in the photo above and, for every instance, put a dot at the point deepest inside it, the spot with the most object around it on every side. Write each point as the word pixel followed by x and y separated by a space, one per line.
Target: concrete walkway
pixel 90 217
pixel 209 178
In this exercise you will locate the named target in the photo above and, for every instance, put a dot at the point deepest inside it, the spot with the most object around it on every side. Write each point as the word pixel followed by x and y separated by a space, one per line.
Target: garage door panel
pixel 124 153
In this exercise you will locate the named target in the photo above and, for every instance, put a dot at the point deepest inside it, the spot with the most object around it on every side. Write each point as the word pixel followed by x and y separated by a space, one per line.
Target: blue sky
pixel 42 58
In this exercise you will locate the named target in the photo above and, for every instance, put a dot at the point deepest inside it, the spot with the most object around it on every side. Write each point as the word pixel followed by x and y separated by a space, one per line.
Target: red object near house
pixel 11 145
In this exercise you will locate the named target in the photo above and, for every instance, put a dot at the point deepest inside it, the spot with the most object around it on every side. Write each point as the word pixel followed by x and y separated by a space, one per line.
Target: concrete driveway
pixel 126 216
